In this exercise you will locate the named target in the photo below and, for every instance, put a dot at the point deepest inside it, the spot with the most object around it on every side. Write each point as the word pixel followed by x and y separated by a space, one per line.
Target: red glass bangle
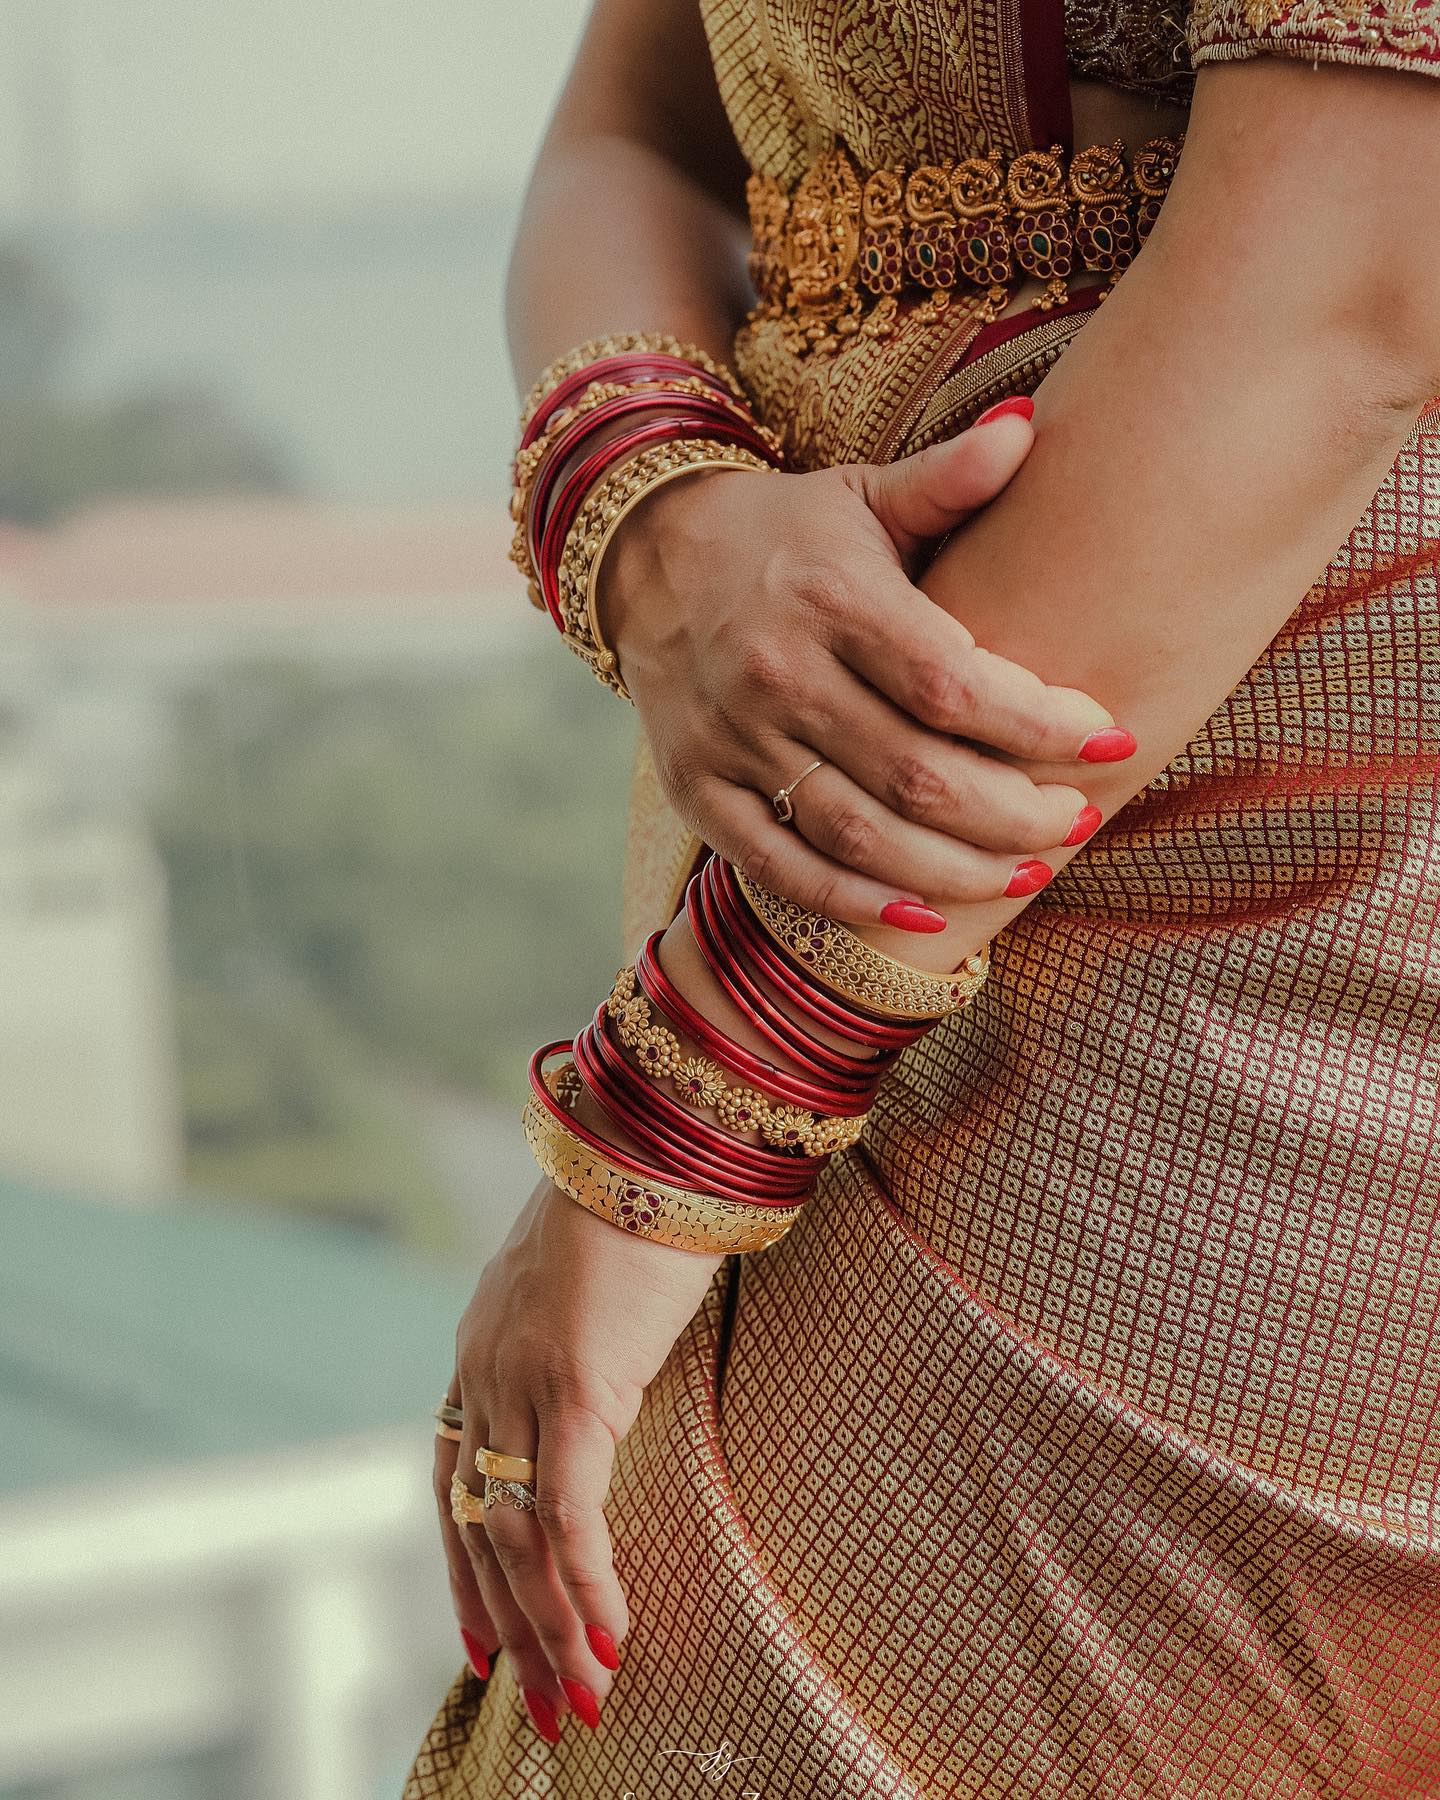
pixel 584 1136
pixel 735 918
pixel 765 1160
pixel 682 1018
pixel 719 407
pixel 634 366
pixel 774 1025
pixel 546 552
pixel 683 1162
pixel 681 1145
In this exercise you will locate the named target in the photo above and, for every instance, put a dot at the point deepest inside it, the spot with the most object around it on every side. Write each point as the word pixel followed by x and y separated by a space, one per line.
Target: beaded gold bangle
pixel 629 343
pixel 612 498
pixel 701 1082
pixel 649 1209
pixel 850 967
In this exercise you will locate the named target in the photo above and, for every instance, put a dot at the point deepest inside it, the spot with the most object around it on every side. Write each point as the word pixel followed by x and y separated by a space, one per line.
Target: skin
pixel 1196 498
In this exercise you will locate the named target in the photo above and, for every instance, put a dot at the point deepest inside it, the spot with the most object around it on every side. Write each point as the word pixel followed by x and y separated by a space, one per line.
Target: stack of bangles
pixel 653 1067
pixel 603 428
pixel 719 1146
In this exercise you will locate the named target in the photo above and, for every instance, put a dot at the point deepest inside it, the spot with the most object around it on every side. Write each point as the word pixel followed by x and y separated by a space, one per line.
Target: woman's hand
pixel 763 621
pixel 569 1323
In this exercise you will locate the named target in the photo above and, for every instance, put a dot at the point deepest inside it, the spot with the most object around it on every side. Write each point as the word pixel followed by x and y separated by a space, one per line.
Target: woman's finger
pixel 742 827
pixel 477 1630
pixel 519 1542
pixel 571 1484
pixel 544 1700
pixel 939 781
pixel 838 818
pixel 932 668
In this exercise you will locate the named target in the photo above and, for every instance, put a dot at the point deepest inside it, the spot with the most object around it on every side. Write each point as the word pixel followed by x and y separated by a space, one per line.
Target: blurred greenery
pixel 385 880
pixel 55 453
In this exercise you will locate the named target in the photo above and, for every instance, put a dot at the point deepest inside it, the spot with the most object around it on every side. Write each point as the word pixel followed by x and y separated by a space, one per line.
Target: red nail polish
pixel 1029 878
pixel 1087 822
pixel 475 1650
pixel 587 1707
pixel 603 1646
pixel 542 1715
pixel 910 915
pixel 1021 405
pixel 1113 744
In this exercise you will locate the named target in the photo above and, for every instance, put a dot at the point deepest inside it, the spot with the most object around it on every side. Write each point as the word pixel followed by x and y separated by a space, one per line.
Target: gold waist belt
pixel 835 255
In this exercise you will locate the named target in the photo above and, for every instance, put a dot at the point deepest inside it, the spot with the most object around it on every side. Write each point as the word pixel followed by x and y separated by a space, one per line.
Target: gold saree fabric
pixel 1083 1438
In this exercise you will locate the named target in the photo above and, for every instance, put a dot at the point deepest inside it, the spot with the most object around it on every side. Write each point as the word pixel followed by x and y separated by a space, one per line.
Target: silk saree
pixel 1083 1437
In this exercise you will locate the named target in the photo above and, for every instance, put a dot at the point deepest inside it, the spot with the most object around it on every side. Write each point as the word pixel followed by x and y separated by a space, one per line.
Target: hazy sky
pixel 108 104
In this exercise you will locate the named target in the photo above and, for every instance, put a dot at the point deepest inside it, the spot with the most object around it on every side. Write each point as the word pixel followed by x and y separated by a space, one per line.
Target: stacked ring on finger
pixel 466 1506
pixel 449 1421
pixel 500 1467
pixel 517 1494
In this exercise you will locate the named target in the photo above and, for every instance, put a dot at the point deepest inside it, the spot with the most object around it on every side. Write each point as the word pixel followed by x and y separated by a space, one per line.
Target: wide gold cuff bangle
pixel 606 507
pixel 649 1209
pixel 628 343
pixel 855 970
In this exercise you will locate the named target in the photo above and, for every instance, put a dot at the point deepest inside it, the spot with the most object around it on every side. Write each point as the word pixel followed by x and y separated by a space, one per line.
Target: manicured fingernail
pixel 475 1650
pixel 1113 744
pixel 603 1646
pixel 587 1707
pixel 542 1715
pixel 1087 822
pixel 909 915
pixel 1020 404
pixel 1029 878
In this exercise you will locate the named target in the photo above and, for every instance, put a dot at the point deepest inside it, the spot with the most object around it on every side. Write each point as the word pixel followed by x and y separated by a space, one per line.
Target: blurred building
pixel 88 1062
pixel 220 1571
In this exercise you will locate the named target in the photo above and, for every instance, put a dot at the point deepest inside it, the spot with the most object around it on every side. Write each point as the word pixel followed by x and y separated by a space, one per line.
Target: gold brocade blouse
pixel 907 81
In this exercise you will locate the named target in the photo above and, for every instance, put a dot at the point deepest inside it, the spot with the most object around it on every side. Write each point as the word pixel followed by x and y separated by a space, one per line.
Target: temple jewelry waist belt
pixel 834 256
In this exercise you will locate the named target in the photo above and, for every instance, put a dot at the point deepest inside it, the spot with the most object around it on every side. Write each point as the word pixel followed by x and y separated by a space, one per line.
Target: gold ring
pixel 451 1421
pixel 466 1508
pixel 780 800
pixel 499 1467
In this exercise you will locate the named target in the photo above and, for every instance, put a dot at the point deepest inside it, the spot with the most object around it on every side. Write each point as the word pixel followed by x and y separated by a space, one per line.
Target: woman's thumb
pixel 925 495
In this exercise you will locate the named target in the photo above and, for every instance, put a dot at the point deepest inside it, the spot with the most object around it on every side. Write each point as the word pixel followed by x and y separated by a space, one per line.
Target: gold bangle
pixel 656 343
pixel 649 1209
pixel 527 461
pixel 850 967
pixel 501 1467
pixel 701 1082
pixel 621 489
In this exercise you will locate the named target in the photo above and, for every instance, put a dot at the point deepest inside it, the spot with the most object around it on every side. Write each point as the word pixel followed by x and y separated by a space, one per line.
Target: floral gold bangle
pixel 649 1209
pixel 613 497
pixel 848 966
pixel 701 1082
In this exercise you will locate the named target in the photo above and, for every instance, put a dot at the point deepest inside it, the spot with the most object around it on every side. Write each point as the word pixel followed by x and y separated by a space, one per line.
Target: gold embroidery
pixel 831 260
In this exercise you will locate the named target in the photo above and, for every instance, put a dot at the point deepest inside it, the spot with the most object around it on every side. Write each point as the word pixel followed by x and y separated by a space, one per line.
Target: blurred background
pixel 308 833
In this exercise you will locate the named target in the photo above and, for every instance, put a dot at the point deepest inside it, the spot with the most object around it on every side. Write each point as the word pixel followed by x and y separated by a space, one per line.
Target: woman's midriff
pixel 1102 114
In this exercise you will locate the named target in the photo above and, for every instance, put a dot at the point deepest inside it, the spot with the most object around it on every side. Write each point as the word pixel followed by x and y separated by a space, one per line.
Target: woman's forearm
pixel 1213 435
pixel 634 216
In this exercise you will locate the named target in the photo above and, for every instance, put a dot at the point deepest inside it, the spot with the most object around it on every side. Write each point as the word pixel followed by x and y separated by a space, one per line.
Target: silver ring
pixel 780 800
pixel 518 1494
